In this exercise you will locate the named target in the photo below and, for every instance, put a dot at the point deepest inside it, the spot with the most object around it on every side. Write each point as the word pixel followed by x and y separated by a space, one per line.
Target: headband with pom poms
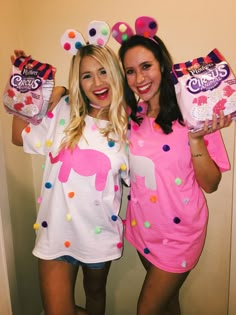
pixel 144 25
pixel 98 34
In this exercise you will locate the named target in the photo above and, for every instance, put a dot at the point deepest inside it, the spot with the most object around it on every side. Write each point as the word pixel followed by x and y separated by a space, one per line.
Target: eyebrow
pixel 141 64
pixel 88 72
pixel 147 61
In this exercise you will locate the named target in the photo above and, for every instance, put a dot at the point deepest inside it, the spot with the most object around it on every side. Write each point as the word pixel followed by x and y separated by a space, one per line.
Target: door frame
pixel 232 273
pixel 9 301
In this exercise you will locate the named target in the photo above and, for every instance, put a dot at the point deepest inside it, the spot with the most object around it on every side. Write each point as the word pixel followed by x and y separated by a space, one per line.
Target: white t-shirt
pixel 81 190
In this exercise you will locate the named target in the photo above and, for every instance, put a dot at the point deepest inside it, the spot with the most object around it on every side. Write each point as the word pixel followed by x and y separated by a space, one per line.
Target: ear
pixel 72 40
pixel 98 33
pixel 146 26
pixel 121 31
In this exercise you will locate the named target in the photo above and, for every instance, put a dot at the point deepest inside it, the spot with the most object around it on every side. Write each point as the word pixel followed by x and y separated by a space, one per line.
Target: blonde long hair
pixel 79 103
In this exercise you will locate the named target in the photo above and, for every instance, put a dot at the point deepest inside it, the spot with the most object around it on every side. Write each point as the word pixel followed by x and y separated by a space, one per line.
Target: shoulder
pixel 179 128
pixel 63 104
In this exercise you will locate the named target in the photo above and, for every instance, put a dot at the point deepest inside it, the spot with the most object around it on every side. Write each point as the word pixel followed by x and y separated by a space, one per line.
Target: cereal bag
pixel 28 89
pixel 204 86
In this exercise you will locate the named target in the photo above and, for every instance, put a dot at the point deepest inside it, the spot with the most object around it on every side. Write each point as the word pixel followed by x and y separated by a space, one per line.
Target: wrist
pixel 198 148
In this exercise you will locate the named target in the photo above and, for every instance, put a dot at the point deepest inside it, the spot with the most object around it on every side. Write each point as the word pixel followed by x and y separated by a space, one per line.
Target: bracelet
pixel 199 155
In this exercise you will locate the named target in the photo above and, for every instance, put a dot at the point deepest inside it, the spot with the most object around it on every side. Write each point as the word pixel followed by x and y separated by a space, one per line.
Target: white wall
pixel 17 202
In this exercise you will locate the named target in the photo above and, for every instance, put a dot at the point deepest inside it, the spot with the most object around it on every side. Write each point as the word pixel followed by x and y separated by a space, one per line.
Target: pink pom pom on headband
pixel 98 34
pixel 144 26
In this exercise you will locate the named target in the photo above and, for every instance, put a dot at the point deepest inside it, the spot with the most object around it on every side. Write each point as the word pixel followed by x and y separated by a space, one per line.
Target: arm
pixel 57 93
pixel 18 126
pixel 206 171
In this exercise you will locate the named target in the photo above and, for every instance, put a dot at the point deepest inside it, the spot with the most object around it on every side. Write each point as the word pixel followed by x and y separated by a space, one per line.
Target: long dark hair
pixel 169 108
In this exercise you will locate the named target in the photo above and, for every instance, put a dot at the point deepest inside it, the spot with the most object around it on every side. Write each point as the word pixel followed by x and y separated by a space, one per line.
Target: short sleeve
pixel 217 150
pixel 46 136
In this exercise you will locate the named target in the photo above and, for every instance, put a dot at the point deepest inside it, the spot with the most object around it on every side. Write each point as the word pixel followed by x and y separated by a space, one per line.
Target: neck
pixel 97 113
pixel 153 112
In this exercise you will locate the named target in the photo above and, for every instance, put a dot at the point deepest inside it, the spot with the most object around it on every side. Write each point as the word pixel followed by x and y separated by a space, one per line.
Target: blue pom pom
pixel 114 217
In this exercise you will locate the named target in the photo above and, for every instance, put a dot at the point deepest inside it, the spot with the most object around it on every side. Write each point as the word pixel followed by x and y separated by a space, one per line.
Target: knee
pixel 150 309
pixel 94 289
pixel 60 312
pixel 60 309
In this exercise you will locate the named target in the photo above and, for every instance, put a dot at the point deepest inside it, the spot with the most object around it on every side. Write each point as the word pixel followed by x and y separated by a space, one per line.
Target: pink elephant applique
pixel 85 162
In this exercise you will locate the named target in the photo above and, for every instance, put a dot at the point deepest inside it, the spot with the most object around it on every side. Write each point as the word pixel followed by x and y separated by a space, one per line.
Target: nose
pixel 97 80
pixel 139 77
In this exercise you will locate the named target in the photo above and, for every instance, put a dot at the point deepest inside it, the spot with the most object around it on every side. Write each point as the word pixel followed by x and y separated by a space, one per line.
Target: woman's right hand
pixel 58 91
pixel 17 53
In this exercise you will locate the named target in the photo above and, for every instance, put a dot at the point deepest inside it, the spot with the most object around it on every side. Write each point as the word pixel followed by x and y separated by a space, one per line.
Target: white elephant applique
pixel 144 167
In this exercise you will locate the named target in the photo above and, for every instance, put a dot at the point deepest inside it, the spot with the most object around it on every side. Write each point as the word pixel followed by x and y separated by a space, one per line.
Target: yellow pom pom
pixel 36 226
pixel 122 28
pixel 123 167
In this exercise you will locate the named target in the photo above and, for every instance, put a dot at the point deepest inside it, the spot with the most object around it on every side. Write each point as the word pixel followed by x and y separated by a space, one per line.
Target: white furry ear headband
pixel 98 34
pixel 144 25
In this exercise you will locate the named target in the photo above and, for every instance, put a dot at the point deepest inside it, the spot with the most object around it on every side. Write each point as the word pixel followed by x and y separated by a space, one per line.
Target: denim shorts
pixel 75 262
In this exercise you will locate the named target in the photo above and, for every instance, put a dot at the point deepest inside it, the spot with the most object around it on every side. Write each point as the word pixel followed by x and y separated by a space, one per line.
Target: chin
pixel 144 98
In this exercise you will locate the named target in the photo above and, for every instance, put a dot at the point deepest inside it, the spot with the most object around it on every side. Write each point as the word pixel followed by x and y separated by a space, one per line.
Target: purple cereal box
pixel 204 86
pixel 28 89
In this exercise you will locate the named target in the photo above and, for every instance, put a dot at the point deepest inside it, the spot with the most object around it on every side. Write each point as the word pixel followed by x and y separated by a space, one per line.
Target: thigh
pixel 95 279
pixel 158 290
pixel 57 282
pixel 146 264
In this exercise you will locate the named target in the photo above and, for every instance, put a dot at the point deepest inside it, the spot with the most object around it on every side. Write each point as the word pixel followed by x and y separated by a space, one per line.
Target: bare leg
pixel 95 289
pixel 160 291
pixel 80 311
pixel 146 264
pixel 173 307
pixel 57 283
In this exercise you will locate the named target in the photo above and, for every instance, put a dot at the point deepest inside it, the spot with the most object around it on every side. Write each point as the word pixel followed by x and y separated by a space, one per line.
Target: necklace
pixel 95 106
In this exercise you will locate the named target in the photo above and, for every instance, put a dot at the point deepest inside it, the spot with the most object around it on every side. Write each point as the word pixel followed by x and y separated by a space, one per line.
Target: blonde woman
pixel 78 223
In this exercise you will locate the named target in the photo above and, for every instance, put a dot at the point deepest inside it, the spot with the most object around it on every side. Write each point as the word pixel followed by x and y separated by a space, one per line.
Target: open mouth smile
pixel 144 89
pixel 101 94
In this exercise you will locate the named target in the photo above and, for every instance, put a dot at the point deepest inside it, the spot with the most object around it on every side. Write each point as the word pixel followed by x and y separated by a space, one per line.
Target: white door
pixel 5 301
pixel 8 283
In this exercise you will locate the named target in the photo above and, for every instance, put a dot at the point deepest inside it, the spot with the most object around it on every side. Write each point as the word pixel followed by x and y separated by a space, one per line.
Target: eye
pixel 129 71
pixel 86 76
pixel 103 71
pixel 146 66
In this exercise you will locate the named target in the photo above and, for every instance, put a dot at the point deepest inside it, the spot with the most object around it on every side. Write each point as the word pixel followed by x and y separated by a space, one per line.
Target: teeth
pixel 143 88
pixel 100 92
